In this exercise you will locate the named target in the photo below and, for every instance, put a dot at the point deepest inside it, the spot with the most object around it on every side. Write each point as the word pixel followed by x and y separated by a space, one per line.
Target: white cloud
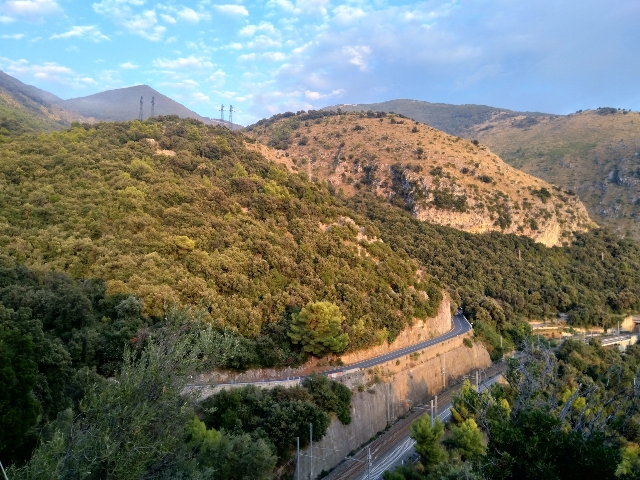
pixel 345 14
pixel 269 56
pixel 218 78
pixel 263 42
pixel 30 9
pixel 144 24
pixel 190 15
pixel 318 96
pixel 306 7
pixel 357 54
pixel 48 72
pixel 168 18
pixel 128 66
pixel 15 36
pixel 90 32
pixel 5 19
pixel 185 62
pixel 235 10
pixel 200 97
pixel 264 27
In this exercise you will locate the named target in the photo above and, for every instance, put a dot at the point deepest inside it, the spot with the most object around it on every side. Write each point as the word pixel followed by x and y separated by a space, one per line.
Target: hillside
pixel 437 177
pixel 123 104
pixel 24 108
pixel 179 213
pixel 594 153
pixel 452 119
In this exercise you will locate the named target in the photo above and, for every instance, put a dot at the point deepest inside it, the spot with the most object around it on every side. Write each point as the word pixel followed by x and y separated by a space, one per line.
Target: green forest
pixel 135 254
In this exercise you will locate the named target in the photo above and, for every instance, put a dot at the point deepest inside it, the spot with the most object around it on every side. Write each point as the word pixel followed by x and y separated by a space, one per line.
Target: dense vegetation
pixel 503 280
pixel 176 212
pixel 572 415
pixel 144 424
pixel 279 415
pixel 56 333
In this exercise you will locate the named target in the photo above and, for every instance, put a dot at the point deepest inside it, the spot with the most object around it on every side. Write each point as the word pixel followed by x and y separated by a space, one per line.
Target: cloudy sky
pixel 270 56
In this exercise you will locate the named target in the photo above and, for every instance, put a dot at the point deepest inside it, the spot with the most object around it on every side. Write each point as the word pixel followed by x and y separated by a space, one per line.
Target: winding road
pixel 460 326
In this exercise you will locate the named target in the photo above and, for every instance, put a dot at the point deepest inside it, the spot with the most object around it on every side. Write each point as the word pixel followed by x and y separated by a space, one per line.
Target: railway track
pixel 355 466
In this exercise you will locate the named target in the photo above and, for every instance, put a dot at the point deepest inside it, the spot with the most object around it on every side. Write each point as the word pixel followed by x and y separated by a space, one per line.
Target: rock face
pixel 438 177
pixel 411 382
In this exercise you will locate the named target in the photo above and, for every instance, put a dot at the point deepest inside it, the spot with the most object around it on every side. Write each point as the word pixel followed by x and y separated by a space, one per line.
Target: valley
pixel 194 296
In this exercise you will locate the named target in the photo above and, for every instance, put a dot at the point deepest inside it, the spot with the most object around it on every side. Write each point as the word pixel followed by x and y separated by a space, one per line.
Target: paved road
pixel 460 326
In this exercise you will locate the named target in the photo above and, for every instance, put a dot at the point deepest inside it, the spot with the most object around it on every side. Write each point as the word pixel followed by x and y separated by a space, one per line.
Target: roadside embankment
pixel 420 330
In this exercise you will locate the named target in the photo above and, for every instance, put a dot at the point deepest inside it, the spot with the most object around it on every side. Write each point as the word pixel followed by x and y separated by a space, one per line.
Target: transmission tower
pixel 153 106
pixel 222 114
pixel 230 117
pixel 140 115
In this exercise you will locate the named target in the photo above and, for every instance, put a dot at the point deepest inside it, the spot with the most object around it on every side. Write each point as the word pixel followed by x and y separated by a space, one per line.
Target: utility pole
pixel 433 420
pixel 297 458
pixel 222 113
pixel 140 114
pixel 230 117
pixel 153 106
pixel 369 463
pixel 311 451
pixel 436 404
pixel 478 381
pixel 5 473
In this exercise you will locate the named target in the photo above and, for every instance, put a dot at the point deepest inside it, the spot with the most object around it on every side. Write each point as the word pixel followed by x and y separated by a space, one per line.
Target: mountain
pixel 453 119
pixel 595 153
pixel 437 177
pixel 123 104
pixel 24 108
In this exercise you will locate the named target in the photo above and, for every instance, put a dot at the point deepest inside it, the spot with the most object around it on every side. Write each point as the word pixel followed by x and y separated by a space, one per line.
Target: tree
pixel 318 328
pixel 467 438
pixel 131 427
pixel 18 375
pixel 428 440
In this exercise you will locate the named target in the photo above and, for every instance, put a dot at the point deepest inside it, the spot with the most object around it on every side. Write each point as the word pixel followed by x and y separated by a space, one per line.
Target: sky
pixel 266 57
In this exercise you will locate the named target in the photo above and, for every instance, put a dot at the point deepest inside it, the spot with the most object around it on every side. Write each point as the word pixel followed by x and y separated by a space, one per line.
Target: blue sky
pixel 278 55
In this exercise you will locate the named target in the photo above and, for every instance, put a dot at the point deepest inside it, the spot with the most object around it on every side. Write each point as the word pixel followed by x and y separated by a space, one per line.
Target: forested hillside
pixel 501 280
pixel 176 212
pixel 174 243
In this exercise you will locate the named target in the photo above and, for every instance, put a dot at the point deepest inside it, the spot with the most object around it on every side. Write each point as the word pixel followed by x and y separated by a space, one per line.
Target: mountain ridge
pixel 25 108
